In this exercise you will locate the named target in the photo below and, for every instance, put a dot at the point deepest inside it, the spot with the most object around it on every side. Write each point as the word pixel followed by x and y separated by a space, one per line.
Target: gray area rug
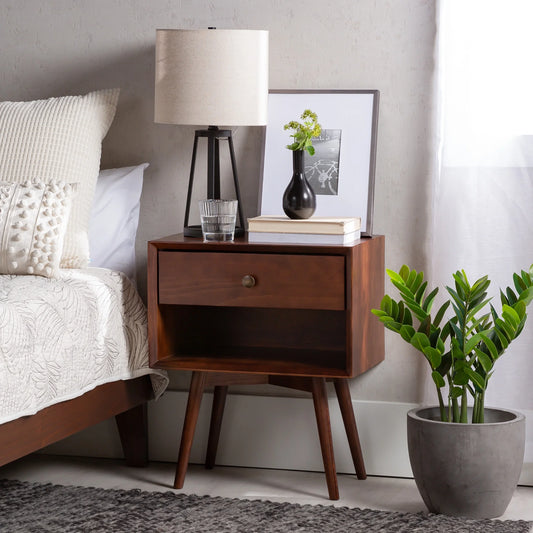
pixel 33 507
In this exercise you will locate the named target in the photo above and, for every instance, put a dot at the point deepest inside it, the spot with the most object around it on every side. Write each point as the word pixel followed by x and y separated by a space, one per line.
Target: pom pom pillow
pixel 33 221
pixel 59 140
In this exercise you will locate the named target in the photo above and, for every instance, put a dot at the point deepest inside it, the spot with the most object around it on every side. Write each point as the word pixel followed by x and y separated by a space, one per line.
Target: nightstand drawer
pixel 252 280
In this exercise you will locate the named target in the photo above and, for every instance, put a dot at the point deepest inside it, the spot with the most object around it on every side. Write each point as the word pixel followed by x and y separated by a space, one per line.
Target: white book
pixel 303 238
pixel 314 225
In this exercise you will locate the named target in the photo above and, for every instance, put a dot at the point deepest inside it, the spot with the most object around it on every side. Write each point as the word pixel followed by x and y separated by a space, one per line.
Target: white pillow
pixel 115 217
pixel 59 139
pixel 33 222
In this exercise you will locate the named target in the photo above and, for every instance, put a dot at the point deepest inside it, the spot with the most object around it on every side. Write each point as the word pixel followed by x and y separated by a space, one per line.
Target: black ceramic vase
pixel 299 200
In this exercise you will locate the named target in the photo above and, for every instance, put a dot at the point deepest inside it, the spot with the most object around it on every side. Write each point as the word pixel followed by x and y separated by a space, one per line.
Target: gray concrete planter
pixel 466 469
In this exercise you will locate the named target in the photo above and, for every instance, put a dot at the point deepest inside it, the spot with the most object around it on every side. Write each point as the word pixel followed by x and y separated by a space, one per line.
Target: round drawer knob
pixel 248 281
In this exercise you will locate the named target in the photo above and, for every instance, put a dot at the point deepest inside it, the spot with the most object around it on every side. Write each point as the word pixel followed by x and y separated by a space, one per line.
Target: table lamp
pixel 211 78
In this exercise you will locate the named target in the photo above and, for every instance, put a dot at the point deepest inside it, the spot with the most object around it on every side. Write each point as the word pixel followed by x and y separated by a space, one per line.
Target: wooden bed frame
pixel 125 400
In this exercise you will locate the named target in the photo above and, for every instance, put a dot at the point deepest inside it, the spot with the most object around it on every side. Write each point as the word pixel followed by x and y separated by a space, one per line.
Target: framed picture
pixel 342 170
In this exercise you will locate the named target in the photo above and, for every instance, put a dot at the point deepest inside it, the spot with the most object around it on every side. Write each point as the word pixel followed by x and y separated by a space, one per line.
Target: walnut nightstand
pixel 284 314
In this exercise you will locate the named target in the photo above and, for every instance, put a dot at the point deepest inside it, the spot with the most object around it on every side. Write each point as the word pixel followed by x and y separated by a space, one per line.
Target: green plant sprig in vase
pixel 463 350
pixel 304 132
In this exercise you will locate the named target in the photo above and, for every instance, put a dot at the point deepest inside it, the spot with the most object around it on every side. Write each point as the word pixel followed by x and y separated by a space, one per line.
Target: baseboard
pixel 271 432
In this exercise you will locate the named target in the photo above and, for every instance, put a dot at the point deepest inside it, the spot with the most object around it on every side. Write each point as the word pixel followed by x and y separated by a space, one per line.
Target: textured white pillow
pixel 33 221
pixel 115 217
pixel 59 139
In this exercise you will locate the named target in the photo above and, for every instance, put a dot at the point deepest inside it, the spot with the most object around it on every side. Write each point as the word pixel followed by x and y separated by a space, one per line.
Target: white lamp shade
pixel 211 77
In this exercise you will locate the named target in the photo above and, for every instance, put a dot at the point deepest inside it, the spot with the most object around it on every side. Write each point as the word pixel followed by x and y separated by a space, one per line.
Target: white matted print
pixel 342 170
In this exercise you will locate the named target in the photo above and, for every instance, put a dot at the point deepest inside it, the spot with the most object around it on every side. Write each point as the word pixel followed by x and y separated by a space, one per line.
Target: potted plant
pixel 299 200
pixel 466 459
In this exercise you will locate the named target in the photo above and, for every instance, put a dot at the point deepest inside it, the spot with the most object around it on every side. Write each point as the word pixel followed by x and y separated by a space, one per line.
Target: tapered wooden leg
pixel 217 411
pixel 196 391
pixel 345 403
pixel 133 431
pixel 320 400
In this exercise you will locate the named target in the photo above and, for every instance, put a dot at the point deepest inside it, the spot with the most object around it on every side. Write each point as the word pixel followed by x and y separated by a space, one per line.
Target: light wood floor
pixel 390 494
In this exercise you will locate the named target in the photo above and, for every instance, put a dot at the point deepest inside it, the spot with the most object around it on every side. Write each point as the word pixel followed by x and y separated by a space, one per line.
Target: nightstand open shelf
pixel 254 340
pixel 261 361
pixel 288 315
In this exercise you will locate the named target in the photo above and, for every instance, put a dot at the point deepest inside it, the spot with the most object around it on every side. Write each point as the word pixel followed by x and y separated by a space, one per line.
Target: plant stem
pixel 455 407
pixel 478 413
pixel 481 415
pixel 441 406
pixel 464 407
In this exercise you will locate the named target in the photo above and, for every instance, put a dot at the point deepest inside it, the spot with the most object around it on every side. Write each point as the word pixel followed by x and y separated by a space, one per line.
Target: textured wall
pixel 73 46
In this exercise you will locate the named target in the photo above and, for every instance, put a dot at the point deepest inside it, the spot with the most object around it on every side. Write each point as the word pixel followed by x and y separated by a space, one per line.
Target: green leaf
pixel 475 310
pixel 404 272
pixel 411 279
pixel 420 292
pixel 477 324
pixel 503 326
pixel 428 302
pixel 310 150
pixel 502 337
pixel 440 313
pixel 446 363
pixel 476 378
pixel 510 315
pixel 519 283
pixel 393 326
pixel 438 379
pixel 417 282
pixel 460 378
pixel 425 326
pixel 457 332
pixel 480 286
pixel 407 332
pixel 457 299
pixel 456 392
pixel 473 341
pixel 484 360
pixel 446 331
pixel 490 346
pixel 459 313
pixel 439 345
pixel 461 285
pixel 386 304
pixel 395 277
pixel 434 338
pixel 457 352
pixel 394 309
pixel 378 312
pixel 420 341
pixel 407 317
pixel 433 356
pixel 520 308
pixel 404 289
pixel 527 295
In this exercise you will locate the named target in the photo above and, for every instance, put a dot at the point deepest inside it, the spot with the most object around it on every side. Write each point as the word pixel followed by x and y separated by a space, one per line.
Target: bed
pixel 73 339
pixel 73 352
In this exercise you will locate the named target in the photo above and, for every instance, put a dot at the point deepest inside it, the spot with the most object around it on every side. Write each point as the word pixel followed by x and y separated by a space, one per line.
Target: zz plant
pixel 462 350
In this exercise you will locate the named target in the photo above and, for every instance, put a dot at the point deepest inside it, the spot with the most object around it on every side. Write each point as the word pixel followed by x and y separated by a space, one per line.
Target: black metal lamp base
pixel 213 136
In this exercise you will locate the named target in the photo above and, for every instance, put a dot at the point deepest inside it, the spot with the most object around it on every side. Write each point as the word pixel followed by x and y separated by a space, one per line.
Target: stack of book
pixel 314 230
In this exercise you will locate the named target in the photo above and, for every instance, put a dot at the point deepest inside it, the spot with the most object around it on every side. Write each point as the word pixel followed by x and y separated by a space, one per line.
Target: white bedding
pixel 62 337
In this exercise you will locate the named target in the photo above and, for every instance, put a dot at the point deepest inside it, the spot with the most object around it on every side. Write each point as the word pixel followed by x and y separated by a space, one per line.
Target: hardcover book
pixel 303 238
pixel 313 225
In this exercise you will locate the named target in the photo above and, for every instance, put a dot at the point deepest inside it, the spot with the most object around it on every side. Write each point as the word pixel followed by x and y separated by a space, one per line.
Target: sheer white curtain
pixel 482 216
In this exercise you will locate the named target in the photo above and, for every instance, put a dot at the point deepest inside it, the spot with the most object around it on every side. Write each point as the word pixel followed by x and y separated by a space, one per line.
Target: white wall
pixel 55 47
